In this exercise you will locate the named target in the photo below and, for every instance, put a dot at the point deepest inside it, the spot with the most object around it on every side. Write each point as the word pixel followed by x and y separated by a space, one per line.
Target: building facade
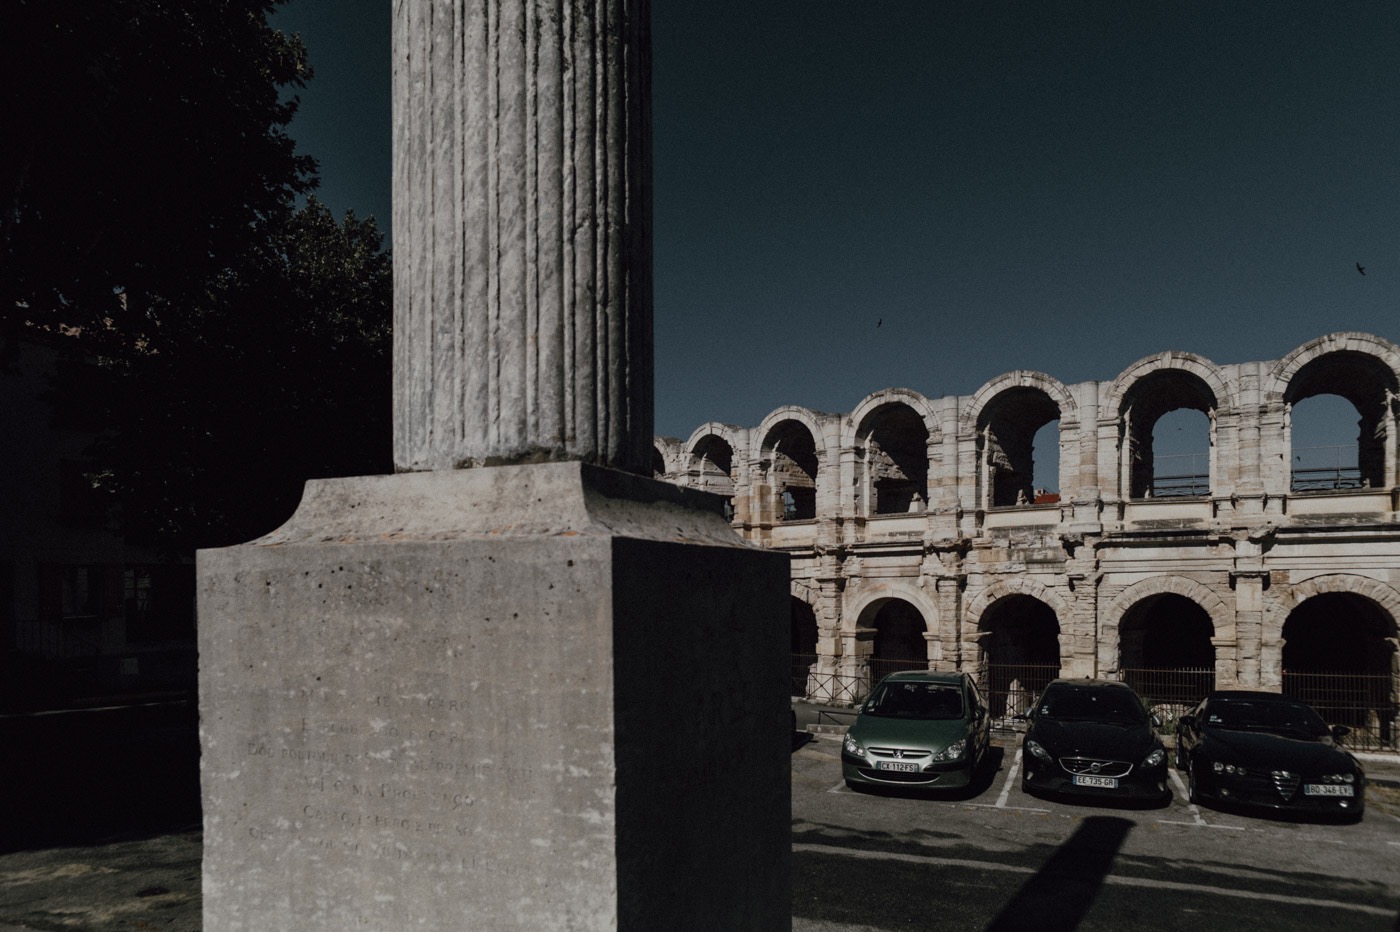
pixel 83 612
pixel 919 536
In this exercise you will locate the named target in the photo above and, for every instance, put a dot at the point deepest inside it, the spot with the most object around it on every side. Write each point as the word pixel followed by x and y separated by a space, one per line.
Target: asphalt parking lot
pixel 993 858
pixel 127 858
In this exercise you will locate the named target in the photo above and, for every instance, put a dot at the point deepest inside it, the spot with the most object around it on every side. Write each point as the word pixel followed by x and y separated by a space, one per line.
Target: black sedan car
pixel 1263 749
pixel 1093 738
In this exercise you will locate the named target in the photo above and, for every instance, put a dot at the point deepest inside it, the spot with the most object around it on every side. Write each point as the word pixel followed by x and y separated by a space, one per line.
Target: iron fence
pixel 1365 703
pixel 1010 689
pixel 802 665
pixel 881 668
pixel 1169 692
pixel 1181 475
pixel 1325 469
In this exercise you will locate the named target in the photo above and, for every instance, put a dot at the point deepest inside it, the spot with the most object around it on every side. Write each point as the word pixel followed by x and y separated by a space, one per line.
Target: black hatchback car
pixel 1262 749
pixel 1093 738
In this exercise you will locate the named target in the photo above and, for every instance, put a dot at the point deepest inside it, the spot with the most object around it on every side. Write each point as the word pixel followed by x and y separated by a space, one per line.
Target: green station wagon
pixel 918 728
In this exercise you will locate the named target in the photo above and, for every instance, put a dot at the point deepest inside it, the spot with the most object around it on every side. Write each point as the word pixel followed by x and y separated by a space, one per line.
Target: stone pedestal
pixel 533 697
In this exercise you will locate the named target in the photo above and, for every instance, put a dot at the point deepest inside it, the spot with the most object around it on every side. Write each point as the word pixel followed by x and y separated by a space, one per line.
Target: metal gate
pixel 1363 702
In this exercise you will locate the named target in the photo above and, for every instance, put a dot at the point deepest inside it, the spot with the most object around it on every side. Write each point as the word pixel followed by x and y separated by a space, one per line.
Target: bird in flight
pixel 1360 268
pixel 882 320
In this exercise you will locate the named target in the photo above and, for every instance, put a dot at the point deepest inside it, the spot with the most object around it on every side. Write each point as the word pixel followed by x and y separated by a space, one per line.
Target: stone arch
pixel 1339 652
pixel 1012 687
pixel 893 431
pixel 862 601
pixel 1365 371
pixel 1004 416
pixel 1386 597
pixel 664 458
pixel 719 446
pixel 1199 366
pixel 1282 374
pixel 1015 585
pixel 1222 617
pixel 973 414
pixel 791 452
pixel 1139 398
pixel 906 396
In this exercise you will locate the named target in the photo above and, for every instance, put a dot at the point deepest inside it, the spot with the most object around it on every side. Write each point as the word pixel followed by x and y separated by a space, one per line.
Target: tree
pixel 237 345
pixel 279 373
pixel 144 151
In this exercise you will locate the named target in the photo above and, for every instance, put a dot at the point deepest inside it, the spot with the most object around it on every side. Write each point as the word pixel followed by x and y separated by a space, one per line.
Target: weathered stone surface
pixel 428 704
pixel 922 508
pixel 522 233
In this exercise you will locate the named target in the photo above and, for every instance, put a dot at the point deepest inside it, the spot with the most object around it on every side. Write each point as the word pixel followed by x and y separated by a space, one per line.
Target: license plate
pixel 896 765
pixel 1107 783
pixel 1326 789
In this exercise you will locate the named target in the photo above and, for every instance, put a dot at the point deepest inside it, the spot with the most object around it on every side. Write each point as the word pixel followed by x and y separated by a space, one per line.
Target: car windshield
pixel 1091 704
pixel 925 701
pixel 1281 718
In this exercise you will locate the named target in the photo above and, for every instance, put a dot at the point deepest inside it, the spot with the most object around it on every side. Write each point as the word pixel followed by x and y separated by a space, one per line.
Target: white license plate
pixel 1107 783
pixel 1326 789
pixel 896 765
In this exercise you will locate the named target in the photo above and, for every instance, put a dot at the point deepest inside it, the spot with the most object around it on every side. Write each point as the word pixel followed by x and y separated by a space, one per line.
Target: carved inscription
pixel 398 781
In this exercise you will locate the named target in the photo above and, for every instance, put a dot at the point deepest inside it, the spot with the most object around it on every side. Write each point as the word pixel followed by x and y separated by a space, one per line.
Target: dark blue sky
pixel 1059 187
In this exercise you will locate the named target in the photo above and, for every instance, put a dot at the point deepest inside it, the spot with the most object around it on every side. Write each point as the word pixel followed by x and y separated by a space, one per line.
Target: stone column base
pixel 529 697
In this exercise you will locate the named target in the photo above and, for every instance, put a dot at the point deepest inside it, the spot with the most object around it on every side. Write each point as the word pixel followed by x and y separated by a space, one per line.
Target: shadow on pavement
pixel 1058 897
pixel 87 776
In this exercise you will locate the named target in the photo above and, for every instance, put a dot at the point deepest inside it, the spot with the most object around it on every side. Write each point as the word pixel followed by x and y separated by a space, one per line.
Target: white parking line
pixel 1010 779
pixel 1114 879
pixel 1195 810
pixel 1006 791
pixel 838 788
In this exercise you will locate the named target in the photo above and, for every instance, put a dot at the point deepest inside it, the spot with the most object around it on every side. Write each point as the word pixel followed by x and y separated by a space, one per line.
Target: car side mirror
pixel 1156 720
pixel 1187 721
pixel 1340 731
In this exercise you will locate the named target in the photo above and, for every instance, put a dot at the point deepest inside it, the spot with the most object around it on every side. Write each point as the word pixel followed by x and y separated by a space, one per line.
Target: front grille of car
pixel 909 754
pixel 1269 783
pixel 1096 766
pixel 1286 783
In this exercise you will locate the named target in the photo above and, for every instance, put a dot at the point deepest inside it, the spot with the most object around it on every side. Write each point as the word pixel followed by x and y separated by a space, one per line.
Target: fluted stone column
pixel 540 693
pixel 522 233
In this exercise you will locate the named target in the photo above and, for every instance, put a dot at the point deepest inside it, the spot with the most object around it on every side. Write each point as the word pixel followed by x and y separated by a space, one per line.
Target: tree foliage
pixel 279 373
pixel 237 345
pixel 144 150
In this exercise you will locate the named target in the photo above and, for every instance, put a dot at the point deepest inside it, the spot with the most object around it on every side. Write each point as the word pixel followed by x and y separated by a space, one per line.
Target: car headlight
pixel 1339 778
pixel 1155 758
pixel 1038 751
pixel 852 747
pixel 1220 767
pixel 952 751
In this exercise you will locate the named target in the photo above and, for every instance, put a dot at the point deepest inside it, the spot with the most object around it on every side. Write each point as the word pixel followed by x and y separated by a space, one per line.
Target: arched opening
pixel 1339 658
pixel 1165 652
pixel 1367 384
pixel 894 446
pixel 1020 652
pixel 712 469
pixel 790 463
pixel 899 639
pixel 1148 419
pixel 1007 432
pixel 804 644
pixel 1326 437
